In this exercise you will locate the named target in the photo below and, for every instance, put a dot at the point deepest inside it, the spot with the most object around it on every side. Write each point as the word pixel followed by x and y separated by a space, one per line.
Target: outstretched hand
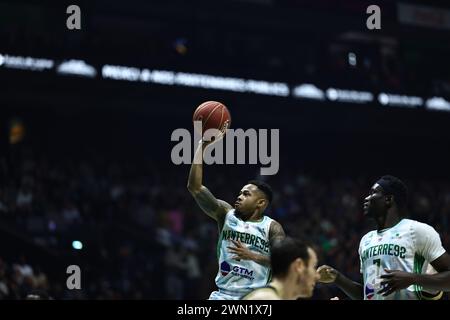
pixel 217 137
pixel 327 274
pixel 395 280
pixel 241 251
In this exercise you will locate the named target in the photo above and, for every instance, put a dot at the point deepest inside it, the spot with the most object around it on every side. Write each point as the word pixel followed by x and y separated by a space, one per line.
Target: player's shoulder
pixel 368 235
pixel 272 221
pixel 266 293
pixel 275 228
pixel 230 214
pixel 419 227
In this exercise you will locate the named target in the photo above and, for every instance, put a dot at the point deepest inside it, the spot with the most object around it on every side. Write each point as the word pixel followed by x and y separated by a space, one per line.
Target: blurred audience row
pixel 143 235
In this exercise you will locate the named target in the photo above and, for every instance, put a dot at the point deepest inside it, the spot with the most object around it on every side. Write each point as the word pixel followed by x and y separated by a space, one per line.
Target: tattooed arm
pixel 276 232
pixel 213 207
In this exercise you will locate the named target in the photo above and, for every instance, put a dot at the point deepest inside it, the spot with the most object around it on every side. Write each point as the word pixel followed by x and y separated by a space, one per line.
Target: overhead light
pixel 195 80
pixel 352 96
pixel 25 63
pixel 437 103
pixel 396 100
pixel 308 91
pixel 77 245
pixel 352 59
pixel 77 67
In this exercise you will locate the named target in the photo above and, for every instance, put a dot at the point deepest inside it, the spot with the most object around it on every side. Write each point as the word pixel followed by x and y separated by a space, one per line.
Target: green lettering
pixel 402 252
pixel 252 239
pixel 385 247
pixel 396 250
pixel 390 249
pixel 263 244
pixel 375 251
pixel 247 238
pixel 371 251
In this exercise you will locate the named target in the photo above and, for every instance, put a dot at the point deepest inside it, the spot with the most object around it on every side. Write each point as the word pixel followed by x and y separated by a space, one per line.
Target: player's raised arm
pixel 213 207
pixel 352 289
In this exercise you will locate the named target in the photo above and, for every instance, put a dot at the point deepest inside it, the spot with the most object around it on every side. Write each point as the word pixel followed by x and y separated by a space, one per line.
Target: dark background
pixel 96 153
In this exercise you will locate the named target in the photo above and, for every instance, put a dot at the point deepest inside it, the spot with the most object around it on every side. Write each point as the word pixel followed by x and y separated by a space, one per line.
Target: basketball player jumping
pixel 245 233
pixel 402 260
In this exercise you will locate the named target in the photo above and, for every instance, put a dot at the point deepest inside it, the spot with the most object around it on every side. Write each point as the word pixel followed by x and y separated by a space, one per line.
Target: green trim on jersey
pixel 423 295
pixel 218 248
pixel 269 278
pixel 219 240
pixel 257 221
pixel 417 268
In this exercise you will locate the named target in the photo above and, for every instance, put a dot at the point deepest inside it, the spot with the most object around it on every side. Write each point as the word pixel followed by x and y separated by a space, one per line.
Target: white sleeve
pixel 428 242
pixel 360 256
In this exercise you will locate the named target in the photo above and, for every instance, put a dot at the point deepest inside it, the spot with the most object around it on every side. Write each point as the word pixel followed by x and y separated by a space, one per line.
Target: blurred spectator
pixel 152 241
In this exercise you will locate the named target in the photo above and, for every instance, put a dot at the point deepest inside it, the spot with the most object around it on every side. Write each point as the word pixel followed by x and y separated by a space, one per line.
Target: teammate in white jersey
pixel 402 260
pixel 245 233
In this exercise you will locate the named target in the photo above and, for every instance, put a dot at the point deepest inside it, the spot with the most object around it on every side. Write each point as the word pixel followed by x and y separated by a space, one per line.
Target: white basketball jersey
pixel 408 246
pixel 240 277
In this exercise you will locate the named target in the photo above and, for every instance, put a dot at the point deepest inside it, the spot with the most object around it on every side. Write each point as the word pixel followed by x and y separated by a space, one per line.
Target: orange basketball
pixel 212 114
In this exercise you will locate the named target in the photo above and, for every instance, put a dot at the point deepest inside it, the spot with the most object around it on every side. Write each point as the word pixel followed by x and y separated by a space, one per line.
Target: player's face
pixel 309 276
pixel 374 204
pixel 248 199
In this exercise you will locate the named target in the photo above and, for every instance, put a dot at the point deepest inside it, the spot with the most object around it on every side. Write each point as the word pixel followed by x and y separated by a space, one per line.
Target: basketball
pixel 212 114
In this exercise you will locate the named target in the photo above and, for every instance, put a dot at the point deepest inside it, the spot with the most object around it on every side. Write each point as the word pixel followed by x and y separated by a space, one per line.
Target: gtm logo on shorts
pixel 369 291
pixel 225 268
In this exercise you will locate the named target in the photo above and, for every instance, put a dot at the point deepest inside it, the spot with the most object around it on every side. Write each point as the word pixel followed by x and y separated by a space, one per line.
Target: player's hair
pixel 264 187
pixel 394 186
pixel 284 252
